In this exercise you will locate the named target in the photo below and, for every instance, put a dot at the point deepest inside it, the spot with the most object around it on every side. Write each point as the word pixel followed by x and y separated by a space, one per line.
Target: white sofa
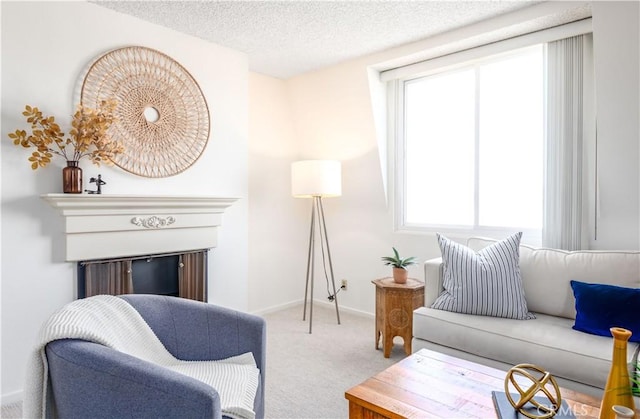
pixel 578 360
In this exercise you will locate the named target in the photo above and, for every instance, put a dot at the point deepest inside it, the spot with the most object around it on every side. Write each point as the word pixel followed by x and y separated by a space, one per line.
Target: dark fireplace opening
pixel 156 275
pixel 175 274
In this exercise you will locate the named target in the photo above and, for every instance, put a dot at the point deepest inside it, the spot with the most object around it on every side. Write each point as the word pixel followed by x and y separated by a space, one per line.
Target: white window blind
pixel 565 142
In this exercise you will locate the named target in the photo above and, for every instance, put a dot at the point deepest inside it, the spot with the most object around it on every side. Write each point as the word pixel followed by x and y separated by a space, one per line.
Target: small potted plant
pixel 399 264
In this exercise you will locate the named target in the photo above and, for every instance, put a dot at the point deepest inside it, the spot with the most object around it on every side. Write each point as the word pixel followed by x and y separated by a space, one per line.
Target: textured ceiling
pixel 286 38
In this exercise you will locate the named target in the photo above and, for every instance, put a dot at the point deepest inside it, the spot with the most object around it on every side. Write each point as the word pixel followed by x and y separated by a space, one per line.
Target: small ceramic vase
pixel 400 275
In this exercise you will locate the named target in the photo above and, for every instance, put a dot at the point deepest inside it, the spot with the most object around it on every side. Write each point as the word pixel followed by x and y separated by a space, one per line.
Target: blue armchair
pixel 88 380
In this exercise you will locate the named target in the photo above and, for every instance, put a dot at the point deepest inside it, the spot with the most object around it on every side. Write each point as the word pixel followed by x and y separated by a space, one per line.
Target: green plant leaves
pixel 397 262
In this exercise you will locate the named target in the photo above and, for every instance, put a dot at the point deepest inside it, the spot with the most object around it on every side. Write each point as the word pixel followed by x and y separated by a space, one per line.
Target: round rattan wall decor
pixel 162 118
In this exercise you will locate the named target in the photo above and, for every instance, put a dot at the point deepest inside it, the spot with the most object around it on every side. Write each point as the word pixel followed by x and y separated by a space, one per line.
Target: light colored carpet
pixel 307 374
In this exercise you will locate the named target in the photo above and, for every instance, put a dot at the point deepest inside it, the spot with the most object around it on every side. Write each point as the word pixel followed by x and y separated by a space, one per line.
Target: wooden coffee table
pixel 434 385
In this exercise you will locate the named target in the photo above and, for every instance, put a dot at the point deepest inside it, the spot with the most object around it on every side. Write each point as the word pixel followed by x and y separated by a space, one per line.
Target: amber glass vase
pixel 618 388
pixel 72 178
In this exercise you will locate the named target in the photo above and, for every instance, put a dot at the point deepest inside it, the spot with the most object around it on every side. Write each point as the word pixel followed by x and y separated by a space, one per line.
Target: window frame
pixel 397 157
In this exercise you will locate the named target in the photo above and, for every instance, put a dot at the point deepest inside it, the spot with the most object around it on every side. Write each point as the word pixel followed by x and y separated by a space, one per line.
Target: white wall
pixel 45 48
pixel 278 240
pixel 333 119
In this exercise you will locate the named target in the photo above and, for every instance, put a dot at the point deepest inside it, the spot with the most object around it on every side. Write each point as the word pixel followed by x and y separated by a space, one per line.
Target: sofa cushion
pixel 485 283
pixel 546 274
pixel 600 307
pixel 547 341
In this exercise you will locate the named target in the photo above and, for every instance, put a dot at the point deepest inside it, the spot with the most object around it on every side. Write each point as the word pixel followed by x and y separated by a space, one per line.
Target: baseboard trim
pixel 318 302
pixel 278 307
pixel 342 308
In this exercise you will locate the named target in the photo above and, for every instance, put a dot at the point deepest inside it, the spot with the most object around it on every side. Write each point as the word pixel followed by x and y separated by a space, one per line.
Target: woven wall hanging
pixel 162 115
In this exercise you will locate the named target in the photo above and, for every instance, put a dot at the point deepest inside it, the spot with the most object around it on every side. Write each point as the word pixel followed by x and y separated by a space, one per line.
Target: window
pixel 472 149
pixel 496 138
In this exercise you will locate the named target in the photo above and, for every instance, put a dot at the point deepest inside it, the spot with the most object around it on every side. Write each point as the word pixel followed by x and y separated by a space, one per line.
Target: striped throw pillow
pixel 486 283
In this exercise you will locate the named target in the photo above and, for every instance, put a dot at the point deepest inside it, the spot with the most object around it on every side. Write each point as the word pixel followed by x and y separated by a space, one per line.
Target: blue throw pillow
pixel 600 307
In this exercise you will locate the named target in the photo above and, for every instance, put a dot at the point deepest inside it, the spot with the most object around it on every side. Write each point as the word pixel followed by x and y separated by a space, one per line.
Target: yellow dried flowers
pixel 88 136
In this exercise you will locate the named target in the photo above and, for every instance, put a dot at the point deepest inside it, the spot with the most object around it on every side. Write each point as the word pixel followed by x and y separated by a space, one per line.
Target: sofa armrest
pixel 89 380
pixel 432 280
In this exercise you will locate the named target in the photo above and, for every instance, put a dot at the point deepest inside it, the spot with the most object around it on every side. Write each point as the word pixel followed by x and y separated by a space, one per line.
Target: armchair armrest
pixel 91 380
pixel 432 280
pixel 197 331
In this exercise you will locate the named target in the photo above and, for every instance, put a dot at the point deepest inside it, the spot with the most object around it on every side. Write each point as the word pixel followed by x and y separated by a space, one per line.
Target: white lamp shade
pixel 311 178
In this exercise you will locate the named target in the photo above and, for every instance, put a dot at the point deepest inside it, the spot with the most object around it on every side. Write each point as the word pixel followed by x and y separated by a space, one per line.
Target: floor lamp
pixel 317 179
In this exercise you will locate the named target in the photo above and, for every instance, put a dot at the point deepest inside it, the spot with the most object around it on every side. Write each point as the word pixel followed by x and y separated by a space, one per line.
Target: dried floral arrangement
pixel 88 136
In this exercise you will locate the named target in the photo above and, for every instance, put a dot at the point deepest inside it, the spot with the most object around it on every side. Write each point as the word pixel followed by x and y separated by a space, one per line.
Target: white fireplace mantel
pixel 109 226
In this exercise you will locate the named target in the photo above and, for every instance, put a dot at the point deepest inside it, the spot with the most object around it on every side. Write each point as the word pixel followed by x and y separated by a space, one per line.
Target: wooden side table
pixel 394 311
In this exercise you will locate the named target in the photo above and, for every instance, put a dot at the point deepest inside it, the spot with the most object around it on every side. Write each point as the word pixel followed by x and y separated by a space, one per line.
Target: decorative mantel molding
pixel 108 226
pixel 153 221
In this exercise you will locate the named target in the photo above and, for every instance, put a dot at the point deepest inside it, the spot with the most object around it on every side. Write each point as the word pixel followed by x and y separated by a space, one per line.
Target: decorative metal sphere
pixel 539 379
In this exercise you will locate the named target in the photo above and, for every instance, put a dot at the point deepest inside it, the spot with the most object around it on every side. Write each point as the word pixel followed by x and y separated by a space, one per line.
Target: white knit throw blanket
pixel 112 322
